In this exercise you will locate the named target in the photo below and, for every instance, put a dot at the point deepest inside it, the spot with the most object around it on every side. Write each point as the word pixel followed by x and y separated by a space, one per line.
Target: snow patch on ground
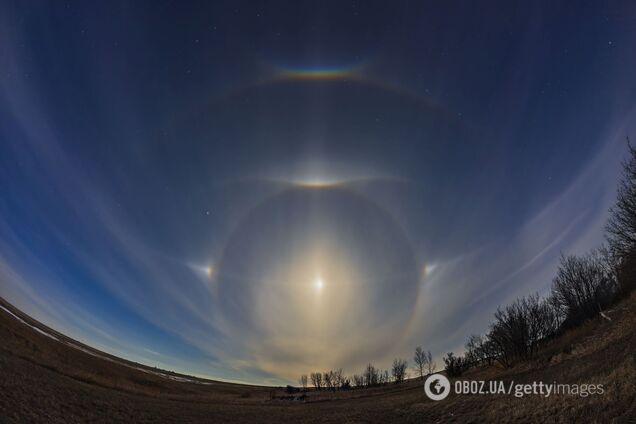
pixel 32 326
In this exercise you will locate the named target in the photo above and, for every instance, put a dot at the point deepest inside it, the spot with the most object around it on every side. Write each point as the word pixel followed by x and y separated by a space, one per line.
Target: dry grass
pixel 44 380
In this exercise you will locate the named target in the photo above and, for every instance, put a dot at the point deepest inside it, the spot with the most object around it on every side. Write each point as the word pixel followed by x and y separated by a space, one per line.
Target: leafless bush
pixel 398 370
pixel 455 365
pixel 582 287
pixel 518 329
pixel 479 350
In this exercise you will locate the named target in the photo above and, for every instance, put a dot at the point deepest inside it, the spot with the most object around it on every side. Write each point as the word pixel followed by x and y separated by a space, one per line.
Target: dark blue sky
pixel 175 179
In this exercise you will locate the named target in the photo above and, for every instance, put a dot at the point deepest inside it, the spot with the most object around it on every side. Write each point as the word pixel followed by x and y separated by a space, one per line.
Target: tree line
pixel 583 287
pixel 371 376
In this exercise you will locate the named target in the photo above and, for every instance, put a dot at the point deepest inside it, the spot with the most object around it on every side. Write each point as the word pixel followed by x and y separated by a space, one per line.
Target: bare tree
pixel 557 311
pixel 303 381
pixel 582 287
pixel 431 365
pixel 316 380
pixel 371 376
pixel 479 350
pixel 358 380
pixel 383 377
pixel 519 328
pixel 621 226
pixel 398 370
pixel 474 353
pixel 328 379
pixel 455 365
pixel 338 378
pixel 420 360
pixel 346 383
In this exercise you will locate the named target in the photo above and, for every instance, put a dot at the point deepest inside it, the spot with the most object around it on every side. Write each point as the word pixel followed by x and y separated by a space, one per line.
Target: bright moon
pixel 318 283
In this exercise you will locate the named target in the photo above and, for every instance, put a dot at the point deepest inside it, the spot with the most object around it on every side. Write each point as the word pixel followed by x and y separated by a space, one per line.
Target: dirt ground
pixel 53 379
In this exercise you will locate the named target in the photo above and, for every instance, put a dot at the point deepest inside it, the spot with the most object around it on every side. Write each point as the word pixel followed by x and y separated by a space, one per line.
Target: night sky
pixel 255 190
